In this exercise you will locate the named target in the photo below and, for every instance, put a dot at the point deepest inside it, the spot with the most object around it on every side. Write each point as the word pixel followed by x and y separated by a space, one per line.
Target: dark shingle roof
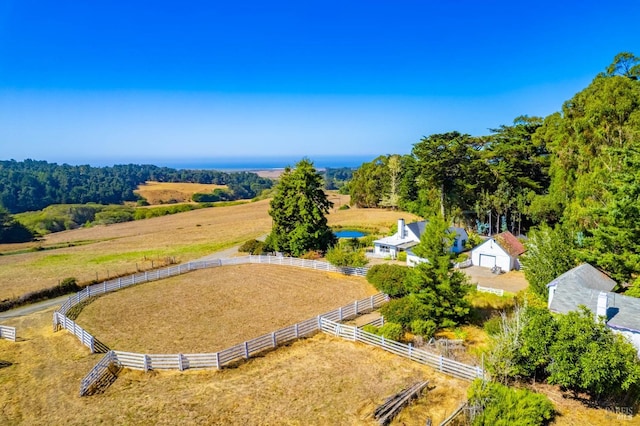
pixel 586 276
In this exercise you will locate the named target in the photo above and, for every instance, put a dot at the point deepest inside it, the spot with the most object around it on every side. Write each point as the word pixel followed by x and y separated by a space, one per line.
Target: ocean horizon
pixel 236 163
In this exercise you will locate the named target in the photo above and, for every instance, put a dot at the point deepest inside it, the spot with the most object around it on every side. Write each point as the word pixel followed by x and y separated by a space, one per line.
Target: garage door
pixel 487 261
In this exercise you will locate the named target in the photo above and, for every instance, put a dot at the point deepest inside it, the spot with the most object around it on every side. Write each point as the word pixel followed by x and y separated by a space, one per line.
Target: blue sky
pixel 162 82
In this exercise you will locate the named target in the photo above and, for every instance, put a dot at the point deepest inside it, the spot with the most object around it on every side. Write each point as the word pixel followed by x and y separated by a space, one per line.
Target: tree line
pixel 577 169
pixel 32 185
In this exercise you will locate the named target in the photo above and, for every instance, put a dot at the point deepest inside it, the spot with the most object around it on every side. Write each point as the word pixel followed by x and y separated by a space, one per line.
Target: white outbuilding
pixel 501 250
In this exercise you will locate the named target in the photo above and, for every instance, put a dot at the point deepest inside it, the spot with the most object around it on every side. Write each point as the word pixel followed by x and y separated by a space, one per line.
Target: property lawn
pixel 213 309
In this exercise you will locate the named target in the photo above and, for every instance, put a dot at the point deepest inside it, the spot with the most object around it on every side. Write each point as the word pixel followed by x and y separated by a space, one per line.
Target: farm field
pixel 210 310
pixel 180 192
pixel 321 380
pixel 118 249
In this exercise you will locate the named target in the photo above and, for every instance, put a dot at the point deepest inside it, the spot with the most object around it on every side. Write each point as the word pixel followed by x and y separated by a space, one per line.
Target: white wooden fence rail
pixel 8 333
pixel 244 350
pixel 497 291
pixel 439 362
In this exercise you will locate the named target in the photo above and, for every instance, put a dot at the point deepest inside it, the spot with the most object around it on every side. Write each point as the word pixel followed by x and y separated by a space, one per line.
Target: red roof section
pixel 510 243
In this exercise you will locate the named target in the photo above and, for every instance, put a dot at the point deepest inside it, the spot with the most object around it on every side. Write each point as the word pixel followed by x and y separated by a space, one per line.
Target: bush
pixel 312 255
pixel 348 257
pixel 388 279
pixel 403 311
pixel 402 256
pixel 424 328
pixel 252 247
pixel 370 329
pixel 493 325
pixel 69 285
pixel 391 331
pixel 503 405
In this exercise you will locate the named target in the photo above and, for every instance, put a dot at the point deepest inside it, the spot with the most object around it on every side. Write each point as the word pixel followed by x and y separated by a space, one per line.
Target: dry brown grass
pixel 320 381
pixel 211 310
pixel 121 248
pixel 164 192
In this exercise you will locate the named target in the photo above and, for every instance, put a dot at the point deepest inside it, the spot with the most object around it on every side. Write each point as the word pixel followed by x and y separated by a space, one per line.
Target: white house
pixel 586 285
pixel 408 236
pixel 500 250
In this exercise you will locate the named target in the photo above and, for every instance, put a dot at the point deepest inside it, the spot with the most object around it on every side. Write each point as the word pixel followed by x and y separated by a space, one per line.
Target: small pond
pixel 346 233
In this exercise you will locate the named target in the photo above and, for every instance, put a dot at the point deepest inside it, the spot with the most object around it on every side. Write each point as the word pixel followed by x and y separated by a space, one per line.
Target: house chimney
pixel 401 232
pixel 603 301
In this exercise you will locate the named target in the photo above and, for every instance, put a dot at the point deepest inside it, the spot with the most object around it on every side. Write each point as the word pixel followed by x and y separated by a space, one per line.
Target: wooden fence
pixel 8 333
pixel 497 291
pixel 246 349
pixel 119 283
pixel 439 362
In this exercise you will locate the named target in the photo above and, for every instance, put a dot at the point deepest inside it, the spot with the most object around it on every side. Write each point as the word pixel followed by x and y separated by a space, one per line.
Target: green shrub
pixel 503 405
pixel 424 328
pixel 493 325
pixel 346 257
pixel 402 256
pixel 69 285
pixel 370 329
pixel 403 311
pixel 311 255
pixel 388 279
pixel 252 247
pixel 344 207
pixel 391 331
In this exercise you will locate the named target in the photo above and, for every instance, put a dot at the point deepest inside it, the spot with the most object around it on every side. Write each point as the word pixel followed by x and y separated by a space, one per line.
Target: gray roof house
pixel 408 235
pixel 586 285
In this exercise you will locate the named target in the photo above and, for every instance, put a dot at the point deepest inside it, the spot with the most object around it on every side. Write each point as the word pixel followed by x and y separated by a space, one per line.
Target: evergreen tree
pixel 298 210
pixel 549 254
pixel 435 288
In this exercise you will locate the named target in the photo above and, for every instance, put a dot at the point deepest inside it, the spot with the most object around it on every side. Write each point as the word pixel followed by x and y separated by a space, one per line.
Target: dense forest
pixel 33 185
pixel 577 169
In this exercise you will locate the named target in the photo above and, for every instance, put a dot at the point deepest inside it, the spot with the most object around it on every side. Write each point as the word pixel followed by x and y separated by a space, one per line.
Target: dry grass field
pixel 317 381
pixel 121 248
pixel 210 310
pixel 165 192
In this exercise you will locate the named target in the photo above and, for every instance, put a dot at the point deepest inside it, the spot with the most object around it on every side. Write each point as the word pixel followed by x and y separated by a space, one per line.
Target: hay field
pixel 164 192
pixel 317 381
pixel 120 248
pixel 210 310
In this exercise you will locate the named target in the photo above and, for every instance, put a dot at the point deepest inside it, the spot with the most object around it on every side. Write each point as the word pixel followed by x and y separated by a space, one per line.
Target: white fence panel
pixel 497 291
pixel 8 333
pixel 444 365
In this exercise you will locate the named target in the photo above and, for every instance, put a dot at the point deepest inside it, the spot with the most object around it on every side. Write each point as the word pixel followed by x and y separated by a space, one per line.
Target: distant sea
pixel 260 163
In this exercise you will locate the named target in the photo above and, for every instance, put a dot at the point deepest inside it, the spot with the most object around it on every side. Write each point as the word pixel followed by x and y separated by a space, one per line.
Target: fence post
pixel 92 345
pixel 180 364
pixel 355 334
pixel 246 347
pixel 356 307
pixel 273 339
pixel 319 323
pixel 381 320
pixel 441 360
pixel 297 331
pixel 105 287
pixel 146 362
pixel 371 302
pixel 410 350
pixel 133 278
pixel 119 283
pixel 382 341
pixel 88 291
pixel 340 313
pixel 146 276
pixel 218 360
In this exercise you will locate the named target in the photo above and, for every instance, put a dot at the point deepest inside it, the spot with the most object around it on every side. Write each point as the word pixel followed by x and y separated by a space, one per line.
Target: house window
pixel 384 249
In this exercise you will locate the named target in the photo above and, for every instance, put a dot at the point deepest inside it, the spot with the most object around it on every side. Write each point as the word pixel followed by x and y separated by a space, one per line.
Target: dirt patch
pixel 512 281
pixel 211 310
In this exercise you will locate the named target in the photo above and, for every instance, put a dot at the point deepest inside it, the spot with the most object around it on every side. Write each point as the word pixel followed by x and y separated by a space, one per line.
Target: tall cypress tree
pixel 298 210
